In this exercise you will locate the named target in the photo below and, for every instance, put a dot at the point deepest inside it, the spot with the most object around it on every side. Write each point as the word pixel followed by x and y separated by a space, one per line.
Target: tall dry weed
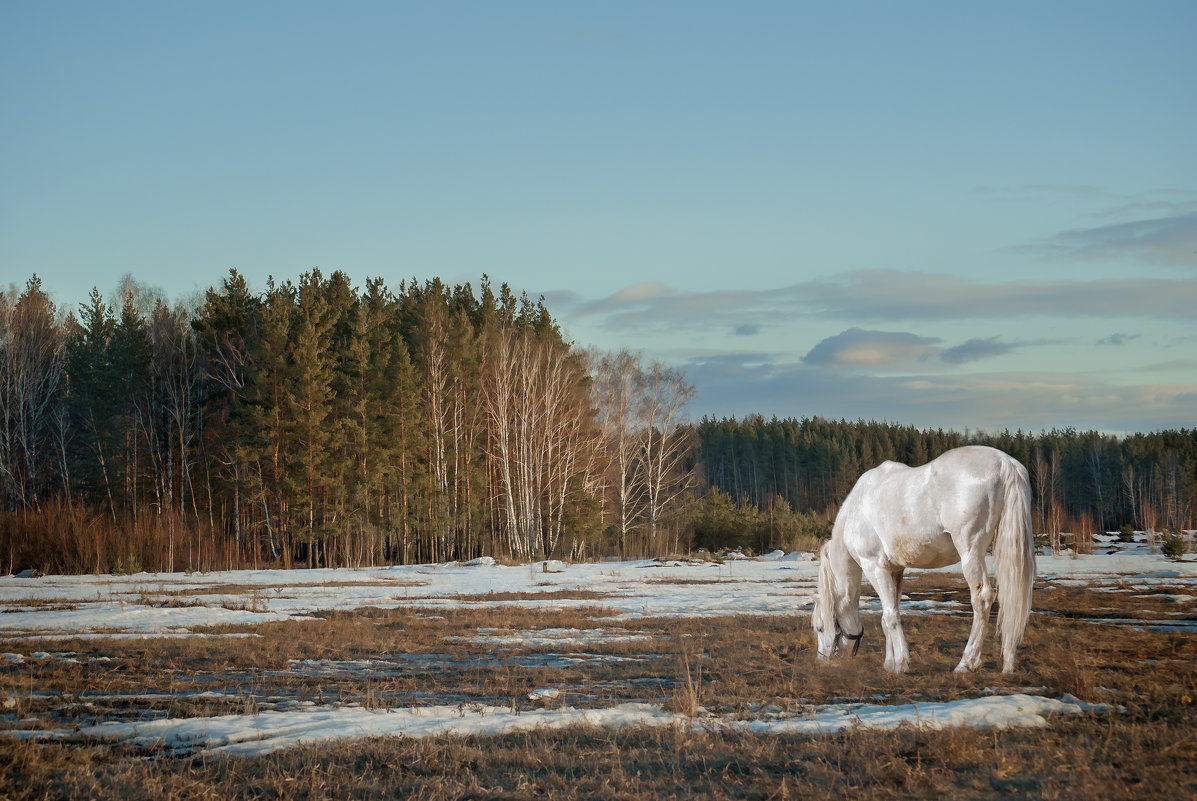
pixel 71 538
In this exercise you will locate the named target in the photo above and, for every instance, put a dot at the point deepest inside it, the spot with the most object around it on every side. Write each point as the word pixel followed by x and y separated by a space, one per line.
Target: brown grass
pixel 731 666
pixel 1083 759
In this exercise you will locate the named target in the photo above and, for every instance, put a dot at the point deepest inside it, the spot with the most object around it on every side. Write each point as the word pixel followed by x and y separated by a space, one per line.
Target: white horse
pixel 950 509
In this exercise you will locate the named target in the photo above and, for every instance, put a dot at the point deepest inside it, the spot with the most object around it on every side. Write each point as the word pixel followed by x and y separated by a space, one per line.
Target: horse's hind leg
pixel 888 585
pixel 982 591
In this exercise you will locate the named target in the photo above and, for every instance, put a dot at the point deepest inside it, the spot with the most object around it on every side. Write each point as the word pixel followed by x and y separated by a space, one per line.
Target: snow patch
pixel 269 731
pixel 145 605
pixel 550 638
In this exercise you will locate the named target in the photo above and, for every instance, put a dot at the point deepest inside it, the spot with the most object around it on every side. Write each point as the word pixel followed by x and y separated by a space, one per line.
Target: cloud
pixel 859 348
pixel 907 295
pixel 558 299
pixel 740 385
pixel 884 349
pixel 1175 366
pixel 1168 240
pixel 976 349
pixel 890 360
pixel 1159 203
pixel 652 304
pixel 632 296
pixel 883 296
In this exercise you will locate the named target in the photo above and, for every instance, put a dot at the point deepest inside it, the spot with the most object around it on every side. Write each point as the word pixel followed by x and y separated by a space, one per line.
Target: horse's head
pixel 825 617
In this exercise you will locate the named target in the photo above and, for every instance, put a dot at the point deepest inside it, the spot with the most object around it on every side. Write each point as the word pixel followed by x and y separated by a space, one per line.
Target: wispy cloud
pixel 904 295
pixel 650 304
pixel 1150 205
pixel 885 296
pixel 1170 240
pixel 976 349
pixel 746 330
pixel 1184 366
pixel 1117 340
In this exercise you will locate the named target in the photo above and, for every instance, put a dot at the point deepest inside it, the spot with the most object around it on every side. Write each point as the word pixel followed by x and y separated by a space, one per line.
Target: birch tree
pixel 544 438
pixel 616 389
pixel 32 346
pixel 641 412
pixel 667 444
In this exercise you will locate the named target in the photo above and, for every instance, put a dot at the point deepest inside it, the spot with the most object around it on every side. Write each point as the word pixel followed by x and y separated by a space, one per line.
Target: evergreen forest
pixel 318 423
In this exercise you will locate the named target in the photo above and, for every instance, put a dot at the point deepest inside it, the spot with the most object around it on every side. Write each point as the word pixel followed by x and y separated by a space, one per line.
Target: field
pixel 654 679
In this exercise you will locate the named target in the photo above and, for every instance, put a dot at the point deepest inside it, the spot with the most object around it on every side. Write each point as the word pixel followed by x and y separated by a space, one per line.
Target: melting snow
pixel 146 605
pixel 268 731
pixel 551 638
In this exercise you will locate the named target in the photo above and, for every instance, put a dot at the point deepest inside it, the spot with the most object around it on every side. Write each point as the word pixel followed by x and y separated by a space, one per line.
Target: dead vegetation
pixel 733 666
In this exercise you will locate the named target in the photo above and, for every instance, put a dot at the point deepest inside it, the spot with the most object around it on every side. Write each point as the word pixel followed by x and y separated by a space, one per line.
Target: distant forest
pixel 1080 480
pixel 317 423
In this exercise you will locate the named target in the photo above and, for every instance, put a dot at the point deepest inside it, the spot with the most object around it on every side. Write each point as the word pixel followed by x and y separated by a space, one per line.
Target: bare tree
pixel 1042 476
pixel 615 392
pixel 32 346
pixel 543 437
pixel 666 444
pixel 641 412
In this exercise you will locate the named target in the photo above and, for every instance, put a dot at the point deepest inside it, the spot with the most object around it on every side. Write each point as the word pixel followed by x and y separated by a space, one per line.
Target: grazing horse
pixel 950 509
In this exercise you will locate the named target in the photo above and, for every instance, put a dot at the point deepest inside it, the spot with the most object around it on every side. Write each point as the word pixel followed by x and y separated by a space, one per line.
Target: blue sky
pixel 954 215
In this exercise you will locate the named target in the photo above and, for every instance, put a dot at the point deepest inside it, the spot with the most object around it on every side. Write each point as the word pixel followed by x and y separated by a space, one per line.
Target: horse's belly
pixel 924 551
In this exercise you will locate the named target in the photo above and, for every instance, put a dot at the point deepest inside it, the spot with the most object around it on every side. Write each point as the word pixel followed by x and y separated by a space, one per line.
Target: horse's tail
pixel 1014 555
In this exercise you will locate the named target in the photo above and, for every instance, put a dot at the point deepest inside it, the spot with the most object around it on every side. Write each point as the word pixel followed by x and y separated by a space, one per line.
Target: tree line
pixel 316 423
pixel 1080 480
pixel 320 423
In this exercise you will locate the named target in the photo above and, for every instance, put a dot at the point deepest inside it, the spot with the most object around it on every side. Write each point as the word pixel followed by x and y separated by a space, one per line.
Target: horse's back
pixel 914 511
pixel 979 461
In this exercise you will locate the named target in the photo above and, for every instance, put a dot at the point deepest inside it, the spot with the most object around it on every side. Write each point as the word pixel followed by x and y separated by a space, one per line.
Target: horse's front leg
pixel 982 592
pixel 889 588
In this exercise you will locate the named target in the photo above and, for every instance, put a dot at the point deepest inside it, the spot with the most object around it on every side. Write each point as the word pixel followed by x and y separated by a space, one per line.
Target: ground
pixel 650 679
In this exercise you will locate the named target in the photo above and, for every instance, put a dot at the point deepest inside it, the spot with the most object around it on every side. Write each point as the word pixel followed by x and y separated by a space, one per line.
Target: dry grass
pixel 1109 760
pixel 732 666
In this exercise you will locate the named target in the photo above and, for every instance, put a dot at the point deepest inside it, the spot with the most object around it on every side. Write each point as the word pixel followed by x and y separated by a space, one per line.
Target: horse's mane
pixel 825 588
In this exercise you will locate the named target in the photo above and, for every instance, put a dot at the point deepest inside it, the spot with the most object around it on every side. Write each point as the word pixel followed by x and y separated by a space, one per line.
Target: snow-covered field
pixel 52 608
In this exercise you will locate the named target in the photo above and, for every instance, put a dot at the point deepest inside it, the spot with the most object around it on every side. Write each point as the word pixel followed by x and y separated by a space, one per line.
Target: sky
pixel 942 214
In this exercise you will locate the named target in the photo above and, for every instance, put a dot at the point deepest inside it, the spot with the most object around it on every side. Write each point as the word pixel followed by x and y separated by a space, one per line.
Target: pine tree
pixel 92 399
pixel 130 352
pixel 309 436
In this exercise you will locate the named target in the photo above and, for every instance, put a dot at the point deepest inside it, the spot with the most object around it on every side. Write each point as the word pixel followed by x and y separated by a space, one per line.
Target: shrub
pixel 126 566
pixel 1126 533
pixel 720 522
pixel 1173 545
